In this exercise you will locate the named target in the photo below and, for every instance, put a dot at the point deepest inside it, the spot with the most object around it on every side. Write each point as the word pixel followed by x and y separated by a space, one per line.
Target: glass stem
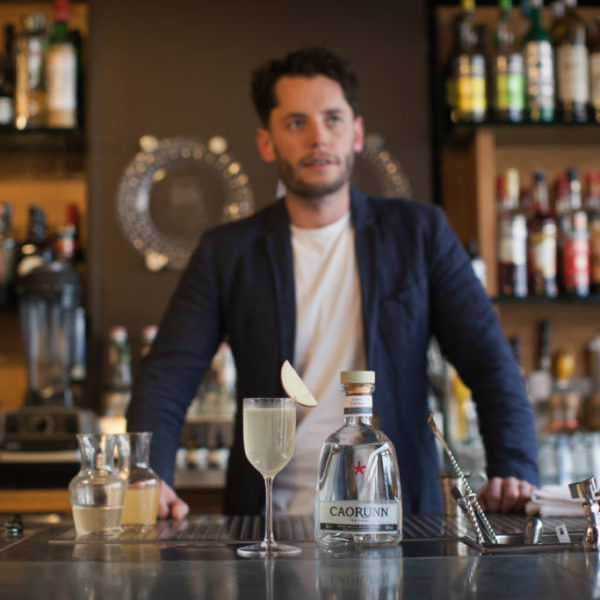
pixel 269 540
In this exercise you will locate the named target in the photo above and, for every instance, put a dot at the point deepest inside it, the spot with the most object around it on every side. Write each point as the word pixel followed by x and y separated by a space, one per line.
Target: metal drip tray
pixel 200 530
pixel 220 529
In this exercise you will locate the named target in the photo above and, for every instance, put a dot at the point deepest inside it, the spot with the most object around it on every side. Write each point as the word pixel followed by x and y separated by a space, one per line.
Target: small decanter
pixel 358 500
pixel 143 484
pixel 97 493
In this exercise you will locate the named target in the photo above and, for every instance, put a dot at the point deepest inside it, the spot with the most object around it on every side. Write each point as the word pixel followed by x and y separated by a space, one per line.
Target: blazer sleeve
pixel 168 377
pixel 471 337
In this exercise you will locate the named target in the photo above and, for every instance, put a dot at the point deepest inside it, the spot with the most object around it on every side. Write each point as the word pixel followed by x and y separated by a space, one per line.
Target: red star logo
pixel 359 469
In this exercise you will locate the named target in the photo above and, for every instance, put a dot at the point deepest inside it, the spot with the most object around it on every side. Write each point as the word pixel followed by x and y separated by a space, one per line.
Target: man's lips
pixel 319 161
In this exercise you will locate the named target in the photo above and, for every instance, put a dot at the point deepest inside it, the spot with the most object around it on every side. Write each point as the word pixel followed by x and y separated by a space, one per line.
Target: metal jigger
pixel 588 490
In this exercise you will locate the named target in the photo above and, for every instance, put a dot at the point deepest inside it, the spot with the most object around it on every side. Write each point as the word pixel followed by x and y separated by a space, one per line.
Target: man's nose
pixel 317 133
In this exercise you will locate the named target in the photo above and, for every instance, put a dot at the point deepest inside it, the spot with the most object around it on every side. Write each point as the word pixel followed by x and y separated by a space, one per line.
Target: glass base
pixel 264 550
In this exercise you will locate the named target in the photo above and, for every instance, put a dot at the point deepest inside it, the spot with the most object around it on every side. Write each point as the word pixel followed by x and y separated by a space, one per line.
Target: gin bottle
pixel 358 498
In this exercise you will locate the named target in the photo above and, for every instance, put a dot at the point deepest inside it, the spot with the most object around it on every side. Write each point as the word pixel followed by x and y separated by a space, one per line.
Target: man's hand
pixel 170 504
pixel 505 495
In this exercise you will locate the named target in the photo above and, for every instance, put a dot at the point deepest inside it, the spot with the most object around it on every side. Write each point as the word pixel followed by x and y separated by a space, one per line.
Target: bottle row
pixel 544 76
pixel 40 246
pixel 548 244
pixel 40 78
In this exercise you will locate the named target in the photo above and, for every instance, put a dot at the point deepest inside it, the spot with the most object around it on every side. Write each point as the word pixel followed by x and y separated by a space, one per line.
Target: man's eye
pixel 295 123
pixel 334 119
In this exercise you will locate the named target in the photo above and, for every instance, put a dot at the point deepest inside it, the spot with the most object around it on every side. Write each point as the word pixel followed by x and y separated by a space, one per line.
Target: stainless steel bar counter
pixel 196 558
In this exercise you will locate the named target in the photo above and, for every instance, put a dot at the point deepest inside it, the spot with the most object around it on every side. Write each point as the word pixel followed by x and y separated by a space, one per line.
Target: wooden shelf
pixel 35 501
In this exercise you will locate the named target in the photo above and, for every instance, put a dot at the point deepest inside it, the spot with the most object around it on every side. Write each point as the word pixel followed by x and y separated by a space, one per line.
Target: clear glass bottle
pixel 508 78
pixel 35 250
pixel 143 484
pixel 358 500
pixel 8 256
pixel 30 97
pixel 465 85
pixel 117 392
pixel 97 493
pixel 542 242
pixel 512 237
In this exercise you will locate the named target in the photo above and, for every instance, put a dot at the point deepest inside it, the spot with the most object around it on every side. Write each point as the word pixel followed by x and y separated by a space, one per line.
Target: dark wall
pixel 182 67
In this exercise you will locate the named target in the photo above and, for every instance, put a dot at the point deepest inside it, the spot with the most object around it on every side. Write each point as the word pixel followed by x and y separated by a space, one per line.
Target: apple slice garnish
pixel 294 386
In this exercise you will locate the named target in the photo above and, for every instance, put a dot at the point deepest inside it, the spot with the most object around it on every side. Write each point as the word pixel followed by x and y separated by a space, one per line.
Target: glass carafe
pixel 97 492
pixel 143 484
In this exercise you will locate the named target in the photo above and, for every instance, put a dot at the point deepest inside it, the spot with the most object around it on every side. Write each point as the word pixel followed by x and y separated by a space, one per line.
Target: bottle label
pixel 576 263
pixel 61 78
pixel 543 246
pixel 364 517
pixel 478 94
pixel 572 73
pixel 358 405
pixel 512 245
pixel 6 110
pixel 595 78
pixel 539 75
pixel 510 84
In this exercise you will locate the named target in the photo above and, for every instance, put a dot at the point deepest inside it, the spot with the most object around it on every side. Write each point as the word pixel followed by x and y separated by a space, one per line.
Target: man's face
pixel 312 136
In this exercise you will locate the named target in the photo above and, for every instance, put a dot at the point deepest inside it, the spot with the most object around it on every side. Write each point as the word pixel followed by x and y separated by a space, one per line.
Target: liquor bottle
pixel 592 206
pixel 358 497
pixel 117 391
pixel 539 69
pixel 35 250
pixel 572 65
pixel 594 60
pixel 30 95
pixel 61 72
pixel 507 70
pixel 79 361
pixel 512 237
pixel 574 242
pixel 541 247
pixel 7 103
pixel 465 84
pixel 148 334
pixel 8 256
pixel 477 263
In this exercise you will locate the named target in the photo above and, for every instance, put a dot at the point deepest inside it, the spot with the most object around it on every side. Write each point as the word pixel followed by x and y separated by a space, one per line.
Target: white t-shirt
pixel 329 339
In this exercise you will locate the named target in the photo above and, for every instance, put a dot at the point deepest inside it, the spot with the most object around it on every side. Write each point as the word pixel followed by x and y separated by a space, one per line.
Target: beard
pixel 313 191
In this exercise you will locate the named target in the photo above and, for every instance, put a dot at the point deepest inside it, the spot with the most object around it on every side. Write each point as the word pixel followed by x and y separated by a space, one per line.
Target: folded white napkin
pixel 554 501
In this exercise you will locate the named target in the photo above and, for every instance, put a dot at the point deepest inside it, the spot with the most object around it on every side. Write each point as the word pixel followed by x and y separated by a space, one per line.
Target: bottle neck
pixel 358 408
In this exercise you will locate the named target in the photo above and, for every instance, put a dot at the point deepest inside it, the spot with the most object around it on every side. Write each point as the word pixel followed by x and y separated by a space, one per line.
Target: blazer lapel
pixel 365 239
pixel 279 251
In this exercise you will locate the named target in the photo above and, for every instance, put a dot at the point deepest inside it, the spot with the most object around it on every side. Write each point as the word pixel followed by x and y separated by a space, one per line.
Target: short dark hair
pixel 306 62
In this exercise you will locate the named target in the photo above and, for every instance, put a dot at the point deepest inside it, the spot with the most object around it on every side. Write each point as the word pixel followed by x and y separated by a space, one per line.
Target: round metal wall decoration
pixel 377 172
pixel 173 190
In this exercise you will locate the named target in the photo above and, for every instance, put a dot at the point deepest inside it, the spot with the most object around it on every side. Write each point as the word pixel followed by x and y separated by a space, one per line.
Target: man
pixel 332 279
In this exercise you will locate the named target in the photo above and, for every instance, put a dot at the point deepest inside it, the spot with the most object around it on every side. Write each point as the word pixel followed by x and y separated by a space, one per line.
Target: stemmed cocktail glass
pixel 269 436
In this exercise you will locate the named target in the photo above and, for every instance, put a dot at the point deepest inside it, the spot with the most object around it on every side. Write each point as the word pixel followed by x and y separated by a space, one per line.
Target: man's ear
pixel 265 144
pixel 359 134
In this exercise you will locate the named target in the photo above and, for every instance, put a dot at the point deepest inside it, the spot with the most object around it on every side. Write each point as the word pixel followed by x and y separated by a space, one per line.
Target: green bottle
pixel 539 69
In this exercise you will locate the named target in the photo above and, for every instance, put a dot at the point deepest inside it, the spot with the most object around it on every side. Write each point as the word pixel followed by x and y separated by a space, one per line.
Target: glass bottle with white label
pixel 358 500
pixel 572 64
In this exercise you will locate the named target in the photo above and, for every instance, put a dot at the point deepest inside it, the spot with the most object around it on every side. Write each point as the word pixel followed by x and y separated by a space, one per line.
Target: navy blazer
pixel 416 281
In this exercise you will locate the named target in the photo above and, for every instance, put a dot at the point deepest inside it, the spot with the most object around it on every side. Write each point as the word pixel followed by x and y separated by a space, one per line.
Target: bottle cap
pixel 357 377
pixel 118 334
